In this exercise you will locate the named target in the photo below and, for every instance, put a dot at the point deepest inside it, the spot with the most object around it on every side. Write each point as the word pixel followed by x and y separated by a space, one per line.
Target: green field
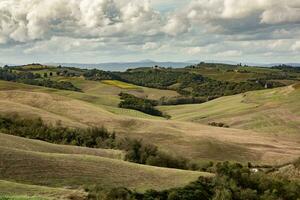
pixel 275 111
pixel 233 73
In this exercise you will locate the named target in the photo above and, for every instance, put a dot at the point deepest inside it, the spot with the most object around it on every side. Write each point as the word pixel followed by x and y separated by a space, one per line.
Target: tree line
pixel 136 150
pixel 8 74
pixel 147 106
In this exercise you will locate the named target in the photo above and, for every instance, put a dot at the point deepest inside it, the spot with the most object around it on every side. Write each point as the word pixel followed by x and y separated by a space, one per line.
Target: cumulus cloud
pixel 29 20
pixel 177 25
pixel 150 46
pixel 233 13
pixel 222 28
pixel 59 44
pixel 296 46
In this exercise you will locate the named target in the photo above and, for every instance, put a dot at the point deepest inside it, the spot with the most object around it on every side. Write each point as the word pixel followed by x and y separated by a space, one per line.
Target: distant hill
pixel 122 66
pixel 251 63
pixel 288 64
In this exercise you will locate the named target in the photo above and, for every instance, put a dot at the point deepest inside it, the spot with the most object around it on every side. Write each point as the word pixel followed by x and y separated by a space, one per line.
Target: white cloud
pixel 177 25
pixel 229 53
pixel 64 44
pixel 191 28
pixel 29 20
pixel 263 11
pixel 296 46
pixel 281 14
pixel 194 50
pixel 150 46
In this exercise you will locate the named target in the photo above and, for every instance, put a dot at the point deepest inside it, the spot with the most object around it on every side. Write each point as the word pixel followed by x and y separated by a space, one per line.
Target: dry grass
pixel 19 143
pixel 191 140
pixel 74 171
pixel 18 191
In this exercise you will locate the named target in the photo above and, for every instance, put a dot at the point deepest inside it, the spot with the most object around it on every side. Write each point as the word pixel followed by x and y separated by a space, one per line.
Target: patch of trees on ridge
pixel 7 74
pixel 130 101
pixel 287 68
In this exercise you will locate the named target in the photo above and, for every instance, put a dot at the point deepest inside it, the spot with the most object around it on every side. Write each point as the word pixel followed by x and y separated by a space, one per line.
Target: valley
pixel 260 127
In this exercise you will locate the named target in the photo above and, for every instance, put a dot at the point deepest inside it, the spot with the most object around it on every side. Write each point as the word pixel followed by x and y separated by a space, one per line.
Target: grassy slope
pixel 70 170
pixel 105 94
pixel 221 73
pixel 18 191
pixel 267 111
pixel 191 140
pixel 14 142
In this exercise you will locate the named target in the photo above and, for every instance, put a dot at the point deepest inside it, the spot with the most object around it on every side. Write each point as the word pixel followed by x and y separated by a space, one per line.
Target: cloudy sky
pixel 91 31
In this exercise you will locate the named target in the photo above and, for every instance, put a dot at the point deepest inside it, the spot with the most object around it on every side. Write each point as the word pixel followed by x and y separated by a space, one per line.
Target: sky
pixel 95 31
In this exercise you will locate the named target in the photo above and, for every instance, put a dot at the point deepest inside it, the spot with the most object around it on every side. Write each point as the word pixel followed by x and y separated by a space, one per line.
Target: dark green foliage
pixel 61 85
pixel 35 129
pixel 231 182
pixel 159 78
pixel 98 75
pixel 35 79
pixel 182 100
pixel 164 160
pixel 218 124
pixel 69 71
pixel 30 67
pixel 287 68
pixel 190 84
pixel 144 105
pixel 144 153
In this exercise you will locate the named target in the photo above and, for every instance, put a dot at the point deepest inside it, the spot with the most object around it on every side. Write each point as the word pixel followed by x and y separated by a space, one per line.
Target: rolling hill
pixel 274 111
pixel 43 169
pixel 122 66
pixel 188 139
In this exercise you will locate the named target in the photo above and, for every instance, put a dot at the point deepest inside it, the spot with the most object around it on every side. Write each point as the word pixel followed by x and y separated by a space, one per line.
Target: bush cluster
pixel 218 124
pixel 232 181
pixel 144 105
pixel 36 129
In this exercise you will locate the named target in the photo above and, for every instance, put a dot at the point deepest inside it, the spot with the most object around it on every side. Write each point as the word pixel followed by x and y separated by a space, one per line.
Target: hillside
pixel 18 143
pixel 18 191
pixel 73 170
pixel 32 168
pixel 274 111
pixel 190 140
